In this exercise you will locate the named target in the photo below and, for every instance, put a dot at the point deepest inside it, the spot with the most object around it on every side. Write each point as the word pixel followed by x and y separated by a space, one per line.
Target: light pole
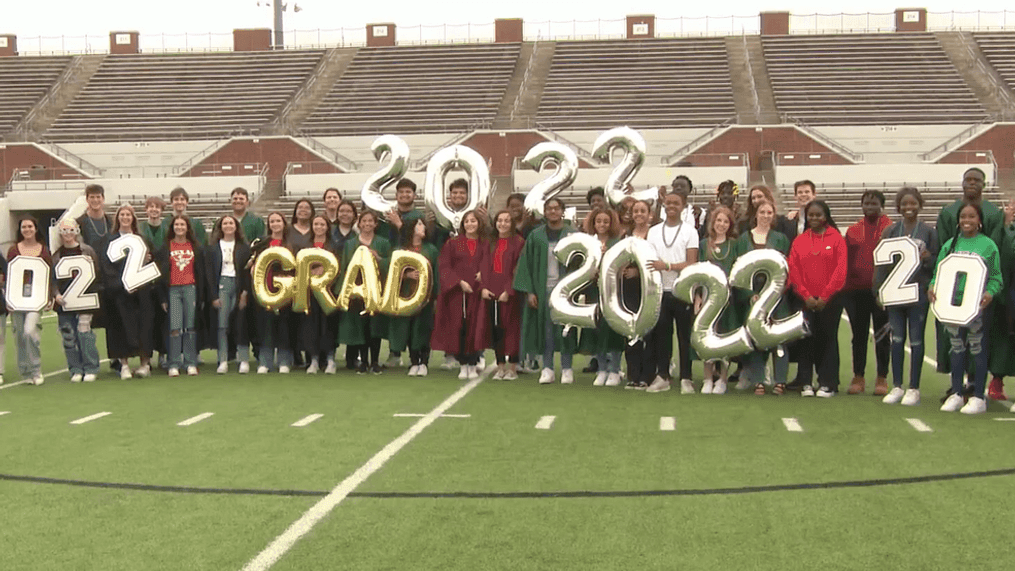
pixel 279 38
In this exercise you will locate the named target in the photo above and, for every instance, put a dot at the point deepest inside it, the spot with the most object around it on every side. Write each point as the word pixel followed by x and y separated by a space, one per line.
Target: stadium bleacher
pixel 183 96
pixel 25 81
pixel 999 49
pixel 638 83
pixel 871 79
pixel 416 89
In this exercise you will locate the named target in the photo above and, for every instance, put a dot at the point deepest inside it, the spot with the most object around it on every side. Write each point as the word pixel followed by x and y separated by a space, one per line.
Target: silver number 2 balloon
pixel 633 145
pixel 442 162
pixel 564 310
pixel 709 344
pixel 540 157
pixel 633 325
pixel 764 332
pixel 398 162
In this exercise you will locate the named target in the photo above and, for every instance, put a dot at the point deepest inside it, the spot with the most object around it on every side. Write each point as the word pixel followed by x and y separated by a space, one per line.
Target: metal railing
pixel 72 159
pixel 581 152
pixel 23 127
pixel 754 86
pixel 328 153
pixel 687 149
pixel 823 139
pixel 956 141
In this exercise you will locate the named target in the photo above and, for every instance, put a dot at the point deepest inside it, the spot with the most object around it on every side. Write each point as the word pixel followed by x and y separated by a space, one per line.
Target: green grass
pixel 603 439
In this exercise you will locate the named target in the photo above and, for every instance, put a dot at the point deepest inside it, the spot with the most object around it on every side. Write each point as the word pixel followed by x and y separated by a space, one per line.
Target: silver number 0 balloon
pixel 398 163
pixel 563 308
pixel 633 145
pixel 709 344
pixel 540 157
pixel 897 290
pixel 763 331
pixel 442 162
pixel 944 288
pixel 633 325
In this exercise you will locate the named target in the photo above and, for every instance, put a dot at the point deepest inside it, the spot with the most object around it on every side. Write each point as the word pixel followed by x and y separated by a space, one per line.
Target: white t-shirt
pixel 228 268
pixel 671 244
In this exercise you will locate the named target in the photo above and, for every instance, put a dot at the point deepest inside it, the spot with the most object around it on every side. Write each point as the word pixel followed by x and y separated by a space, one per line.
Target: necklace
pixel 818 252
pixel 718 248
pixel 105 227
pixel 662 232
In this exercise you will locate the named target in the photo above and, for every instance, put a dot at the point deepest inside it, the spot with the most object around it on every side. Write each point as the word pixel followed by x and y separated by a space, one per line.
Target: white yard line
pixel 1012 419
pixel 421 415
pixel 14 384
pixel 919 425
pixel 301 527
pixel 792 425
pixel 667 423
pixel 195 419
pixel 545 422
pixel 46 376
pixel 306 420
pixel 3 412
pixel 91 418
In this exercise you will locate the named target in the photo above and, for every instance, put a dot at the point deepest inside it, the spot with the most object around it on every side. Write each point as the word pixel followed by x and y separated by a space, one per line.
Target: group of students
pixel 492 278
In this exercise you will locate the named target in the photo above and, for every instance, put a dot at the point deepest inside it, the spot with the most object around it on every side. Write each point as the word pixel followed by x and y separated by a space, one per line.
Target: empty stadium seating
pixel 416 89
pixel 868 80
pixel 999 49
pixel 25 81
pixel 189 96
pixel 641 84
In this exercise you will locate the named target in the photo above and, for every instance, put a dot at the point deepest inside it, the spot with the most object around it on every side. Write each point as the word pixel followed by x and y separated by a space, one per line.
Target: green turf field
pixel 602 488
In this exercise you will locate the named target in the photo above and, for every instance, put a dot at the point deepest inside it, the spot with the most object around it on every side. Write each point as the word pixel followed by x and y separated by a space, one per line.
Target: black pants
pixel 862 309
pixel 499 336
pixel 661 338
pixel 419 357
pixel 821 350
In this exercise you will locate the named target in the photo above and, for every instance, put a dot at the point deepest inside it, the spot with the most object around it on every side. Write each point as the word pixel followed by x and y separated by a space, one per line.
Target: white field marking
pixel 792 425
pixel 283 543
pixel 90 418
pixel 545 422
pixel 420 415
pixel 1005 419
pixel 306 420
pixel 3 412
pixel 14 384
pixel 667 423
pixel 46 376
pixel 195 419
pixel 919 425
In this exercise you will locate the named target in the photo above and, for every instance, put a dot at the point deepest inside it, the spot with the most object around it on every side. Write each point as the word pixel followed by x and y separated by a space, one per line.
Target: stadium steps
pixel 270 194
pixel 521 99
pixel 328 71
pixel 978 74
pixel 46 111
pixel 769 112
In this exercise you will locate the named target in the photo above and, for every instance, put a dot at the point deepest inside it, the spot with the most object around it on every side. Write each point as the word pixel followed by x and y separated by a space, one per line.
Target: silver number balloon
pixel 75 298
pixel 564 310
pixel 398 163
pixel 709 344
pixel 763 330
pixel 897 290
pixel 945 283
pixel 633 325
pixel 442 162
pixel 135 272
pixel 542 156
pixel 38 296
pixel 633 145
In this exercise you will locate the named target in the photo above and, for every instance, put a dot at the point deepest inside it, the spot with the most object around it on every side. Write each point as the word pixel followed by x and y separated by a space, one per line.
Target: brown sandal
pixel 779 389
pixel 759 389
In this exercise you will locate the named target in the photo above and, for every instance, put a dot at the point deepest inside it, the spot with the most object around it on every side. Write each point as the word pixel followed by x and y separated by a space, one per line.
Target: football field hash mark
pixel 792 425
pixel 421 415
pixel 90 418
pixel 306 420
pixel 919 425
pixel 3 412
pixel 195 419
pixel 545 422
pixel 667 423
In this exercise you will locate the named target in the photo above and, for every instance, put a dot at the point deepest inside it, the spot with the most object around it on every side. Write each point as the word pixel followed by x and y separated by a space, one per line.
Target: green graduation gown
pixel 350 327
pixel 418 327
pixel 602 339
pixel 531 277
pixel 253 227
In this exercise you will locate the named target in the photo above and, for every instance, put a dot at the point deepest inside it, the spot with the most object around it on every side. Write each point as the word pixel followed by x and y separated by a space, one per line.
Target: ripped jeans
pixel 911 320
pixel 79 343
pixel 974 337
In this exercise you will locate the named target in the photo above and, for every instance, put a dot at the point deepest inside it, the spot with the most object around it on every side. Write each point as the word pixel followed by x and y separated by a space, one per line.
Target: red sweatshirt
pixel 817 264
pixel 861 239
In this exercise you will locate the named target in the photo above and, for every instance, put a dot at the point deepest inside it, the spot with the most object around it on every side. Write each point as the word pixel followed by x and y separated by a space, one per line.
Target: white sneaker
pixel 658 385
pixel 413 370
pixel 975 405
pixel 283 369
pixel 719 388
pixel 76 378
pixel 262 370
pixel 192 371
pixel 600 379
pixel 567 376
pixel 421 371
pixel 473 372
pixel 223 368
pixel 449 363
pixel 510 375
pixel 125 372
pixel 313 368
pixel 174 372
pixel 1012 406
pixel 89 378
pixel 686 387
pixel 911 398
pixel 952 403
pixel 482 363
pixel 393 362
pixel 463 373
pixel 807 391
pixel 499 375
pixel 330 369
pixel 143 371
pixel 1 379
pixel 894 396
pixel 546 377
pixel 37 380
pixel 825 393
pixel 706 387
pixel 613 380
pixel 244 368
pixel 744 383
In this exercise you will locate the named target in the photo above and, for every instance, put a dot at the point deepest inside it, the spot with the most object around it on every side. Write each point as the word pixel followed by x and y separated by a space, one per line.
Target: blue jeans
pixel 182 309
pixel 609 361
pixel 550 336
pixel 275 336
pixel 79 343
pixel 755 366
pixel 912 319
pixel 28 334
pixel 976 337
pixel 228 297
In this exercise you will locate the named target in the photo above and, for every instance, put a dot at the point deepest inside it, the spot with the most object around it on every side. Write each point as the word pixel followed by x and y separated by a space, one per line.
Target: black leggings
pixel 499 337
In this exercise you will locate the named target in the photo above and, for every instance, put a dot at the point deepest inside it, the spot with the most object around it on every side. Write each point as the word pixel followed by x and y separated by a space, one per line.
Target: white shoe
pixel 482 363
pixel 76 378
pixel 706 387
pixel 192 371
pixel 499 375
pixel 952 403
pixel 567 376
pixel 600 379
pixel 1012 406
pixel 546 377
pixel 1 379
pixel 174 372
pixel 911 398
pixel 807 391
pixel 510 375
pixel 744 383
pixel 658 385
pixel 894 396
pixel 975 405
pixel 283 369
pixel 330 369
pixel 244 368
pixel 719 388
pixel 37 380
pixel 89 378
pixel 223 368
pixel 413 370
pixel 393 362
pixel 449 363
pixel 463 373
pixel 686 387
pixel 473 372
pixel 825 393
pixel 125 372
pixel 262 370
pixel 613 380
pixel 143 371
pixel 421 371
pixel 313 368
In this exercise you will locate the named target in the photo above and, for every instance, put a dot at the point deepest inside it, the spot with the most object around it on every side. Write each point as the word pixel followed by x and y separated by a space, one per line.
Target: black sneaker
pixel 376 369
pixel 362 370
pixel 631 385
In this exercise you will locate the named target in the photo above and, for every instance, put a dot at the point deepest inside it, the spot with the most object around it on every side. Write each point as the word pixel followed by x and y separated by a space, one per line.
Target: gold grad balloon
pixel 319 285
pixel 363 263
pixel 277 294
pixel 393 303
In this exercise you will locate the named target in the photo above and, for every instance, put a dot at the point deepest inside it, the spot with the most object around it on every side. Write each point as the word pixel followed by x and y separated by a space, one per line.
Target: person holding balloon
pixel 413 332
pixel 228 288
pixel 361 331
pixel 342 232
pixel 720 247
pixel 640 364
pixel 75 324
pixel 26 324
pixel 315 337
pixel 606 344
pixel 273 325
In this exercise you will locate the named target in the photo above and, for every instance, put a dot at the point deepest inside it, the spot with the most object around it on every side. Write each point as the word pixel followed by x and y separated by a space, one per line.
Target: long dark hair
pixel 483 229
pixel 824 207
pixel 35 222
pixel 285 227
pixel 216 232
pixel 327 233
pixel 408 230
pixel 958 226
pixel 172 233
pixel 313 211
